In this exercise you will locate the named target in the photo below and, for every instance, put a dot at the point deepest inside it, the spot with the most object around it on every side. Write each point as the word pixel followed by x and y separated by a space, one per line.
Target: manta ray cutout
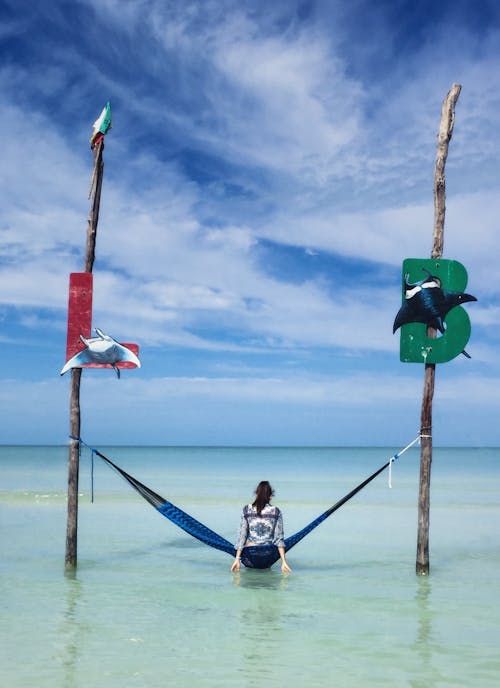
pixel 102 350
pixel 428 303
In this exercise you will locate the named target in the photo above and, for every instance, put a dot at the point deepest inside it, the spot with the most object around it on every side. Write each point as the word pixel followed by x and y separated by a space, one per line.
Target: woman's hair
pixel 263 495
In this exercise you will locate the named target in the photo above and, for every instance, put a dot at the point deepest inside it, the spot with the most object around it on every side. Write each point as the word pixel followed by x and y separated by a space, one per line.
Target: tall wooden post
pixel 76 373
pixel 444 137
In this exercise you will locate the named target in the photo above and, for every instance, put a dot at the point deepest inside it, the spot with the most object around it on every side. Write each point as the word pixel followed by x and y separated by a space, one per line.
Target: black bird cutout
pixel 427 302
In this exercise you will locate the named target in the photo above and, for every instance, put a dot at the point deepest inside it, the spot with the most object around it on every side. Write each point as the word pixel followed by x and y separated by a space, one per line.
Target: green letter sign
pixel 433 290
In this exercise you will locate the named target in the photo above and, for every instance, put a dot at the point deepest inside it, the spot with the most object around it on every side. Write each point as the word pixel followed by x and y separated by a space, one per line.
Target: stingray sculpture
pixel 428 303
pixel 103 350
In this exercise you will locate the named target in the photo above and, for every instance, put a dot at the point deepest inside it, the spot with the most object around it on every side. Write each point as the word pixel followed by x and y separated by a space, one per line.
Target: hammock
pixel 256 556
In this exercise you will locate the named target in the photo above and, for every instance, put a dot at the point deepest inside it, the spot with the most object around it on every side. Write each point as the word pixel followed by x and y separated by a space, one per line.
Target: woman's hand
pixel 285 568
pixel 236 565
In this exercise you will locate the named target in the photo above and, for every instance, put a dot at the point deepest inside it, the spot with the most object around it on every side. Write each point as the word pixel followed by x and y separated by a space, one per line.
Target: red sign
pixel 80 320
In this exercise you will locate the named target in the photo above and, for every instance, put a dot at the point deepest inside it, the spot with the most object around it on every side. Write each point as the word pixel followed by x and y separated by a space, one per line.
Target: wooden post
pixel 444 137
pixel 76 373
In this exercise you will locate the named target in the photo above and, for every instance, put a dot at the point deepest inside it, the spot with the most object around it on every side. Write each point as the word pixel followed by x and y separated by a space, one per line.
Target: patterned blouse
pixel 262 529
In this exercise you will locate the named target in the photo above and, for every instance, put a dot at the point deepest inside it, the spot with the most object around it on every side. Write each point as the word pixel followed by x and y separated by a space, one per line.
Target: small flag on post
pixel 102 125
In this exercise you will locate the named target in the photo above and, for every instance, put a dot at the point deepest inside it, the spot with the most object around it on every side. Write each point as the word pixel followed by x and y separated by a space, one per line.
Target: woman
pixel 261 524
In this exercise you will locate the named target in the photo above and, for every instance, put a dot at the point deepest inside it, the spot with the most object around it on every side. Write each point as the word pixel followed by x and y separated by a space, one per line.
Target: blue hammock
pixel 256 556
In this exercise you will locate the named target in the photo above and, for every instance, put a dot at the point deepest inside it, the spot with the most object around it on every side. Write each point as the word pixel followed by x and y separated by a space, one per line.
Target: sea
pixel 148 605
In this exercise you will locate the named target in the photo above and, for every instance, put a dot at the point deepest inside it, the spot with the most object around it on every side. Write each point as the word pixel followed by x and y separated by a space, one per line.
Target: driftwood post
pixel 444 137
pixel 76 373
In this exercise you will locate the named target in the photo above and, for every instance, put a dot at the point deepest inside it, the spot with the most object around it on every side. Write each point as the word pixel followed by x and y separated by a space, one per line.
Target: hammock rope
pixel 259 556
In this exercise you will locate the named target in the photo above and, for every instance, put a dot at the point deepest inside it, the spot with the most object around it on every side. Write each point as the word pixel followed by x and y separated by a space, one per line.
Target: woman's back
pixel 265 527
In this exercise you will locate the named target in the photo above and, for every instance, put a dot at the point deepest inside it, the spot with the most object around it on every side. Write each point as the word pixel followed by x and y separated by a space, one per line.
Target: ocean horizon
pixel 149 604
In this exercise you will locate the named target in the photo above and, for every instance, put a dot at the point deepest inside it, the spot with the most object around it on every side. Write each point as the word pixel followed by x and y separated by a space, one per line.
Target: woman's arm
pixel 240 542
pixel 280 544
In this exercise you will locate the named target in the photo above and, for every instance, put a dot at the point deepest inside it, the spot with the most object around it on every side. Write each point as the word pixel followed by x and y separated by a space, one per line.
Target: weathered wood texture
pixel 73 471
pixel 76 374
pixel 444 136
pixel 94 211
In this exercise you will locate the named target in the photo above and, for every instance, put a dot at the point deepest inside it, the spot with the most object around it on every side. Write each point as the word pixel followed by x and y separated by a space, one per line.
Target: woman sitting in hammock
pixel 261 524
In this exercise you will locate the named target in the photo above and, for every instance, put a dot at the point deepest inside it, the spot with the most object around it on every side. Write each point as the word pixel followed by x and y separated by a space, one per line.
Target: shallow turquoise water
pixel 151 606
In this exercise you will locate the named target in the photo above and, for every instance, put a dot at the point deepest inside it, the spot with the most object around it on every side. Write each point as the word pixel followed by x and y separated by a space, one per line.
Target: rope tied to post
pixel 92 456
pixel 396 456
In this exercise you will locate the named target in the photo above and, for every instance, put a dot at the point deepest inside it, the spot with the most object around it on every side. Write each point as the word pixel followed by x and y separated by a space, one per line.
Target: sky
pixel 269 168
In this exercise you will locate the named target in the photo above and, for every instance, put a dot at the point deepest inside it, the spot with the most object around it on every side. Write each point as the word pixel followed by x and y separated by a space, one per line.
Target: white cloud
pixel 279 101
pixel 367 407
pixel 174 274
pixel 285 145
pixel 391 234
pixel 360 390
pixel 303 109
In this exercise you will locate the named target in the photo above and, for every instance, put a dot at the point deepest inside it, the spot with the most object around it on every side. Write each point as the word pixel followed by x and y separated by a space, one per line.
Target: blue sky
pixel 269 167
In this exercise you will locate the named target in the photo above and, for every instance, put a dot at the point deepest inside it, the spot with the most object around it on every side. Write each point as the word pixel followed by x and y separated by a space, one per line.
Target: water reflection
pixel 260 579
pixel 424 640
pixel 423 644
pixel 71 630
pixel 263 625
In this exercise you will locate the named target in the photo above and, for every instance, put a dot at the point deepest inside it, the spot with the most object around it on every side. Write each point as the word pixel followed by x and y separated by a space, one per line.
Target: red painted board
pixel 80 319
pixel 79 311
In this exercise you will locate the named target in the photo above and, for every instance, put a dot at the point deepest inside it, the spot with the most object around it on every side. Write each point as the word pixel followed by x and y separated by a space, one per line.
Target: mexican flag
pixel 102 124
